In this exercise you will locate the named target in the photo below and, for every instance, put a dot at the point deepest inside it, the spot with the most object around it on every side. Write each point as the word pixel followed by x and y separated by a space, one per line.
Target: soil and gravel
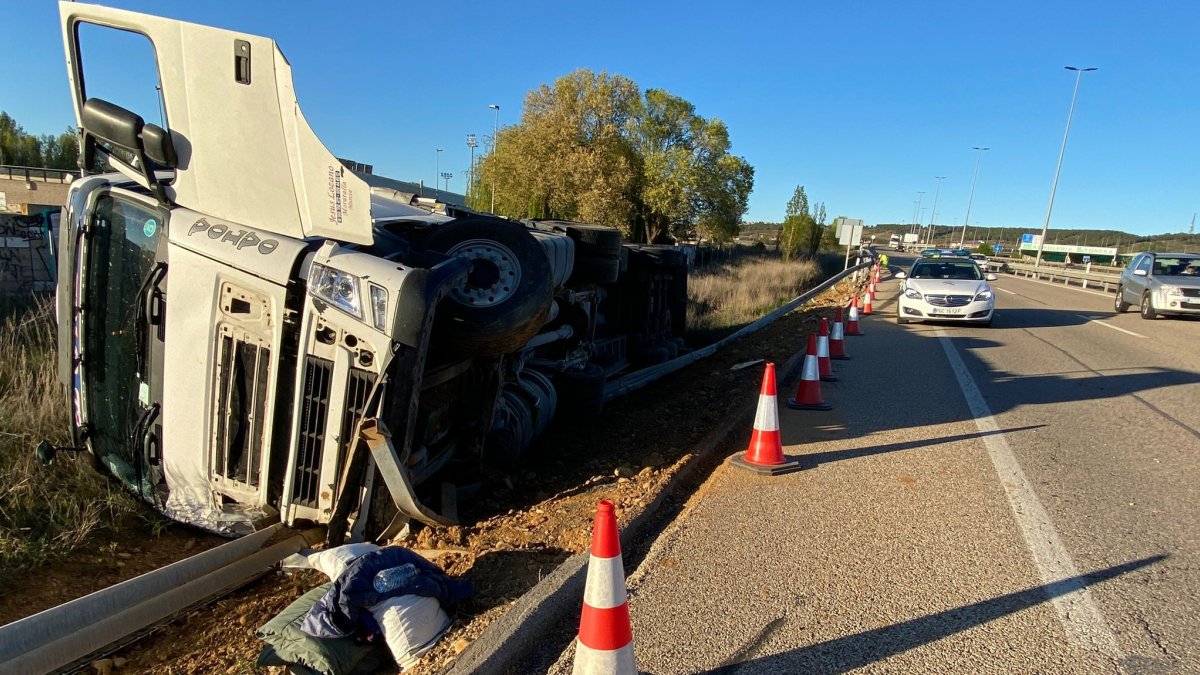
pixel 525 522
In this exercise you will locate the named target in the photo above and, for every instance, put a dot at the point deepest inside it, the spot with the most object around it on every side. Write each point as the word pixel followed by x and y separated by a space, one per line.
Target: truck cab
pixel 249 333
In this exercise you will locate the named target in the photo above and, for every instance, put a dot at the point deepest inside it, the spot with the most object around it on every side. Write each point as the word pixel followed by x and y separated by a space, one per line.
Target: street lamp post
pixel 495 144
pixel 437 169
pixel 472 144
pixel 933 214
pixel 1054 186
pixel 970 199
pixel 917 215
pixel 446 176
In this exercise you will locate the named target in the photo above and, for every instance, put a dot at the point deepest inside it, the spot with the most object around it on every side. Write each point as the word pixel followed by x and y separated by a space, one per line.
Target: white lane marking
pixel 1092 319
pixel 1006 290
pixel 1079 614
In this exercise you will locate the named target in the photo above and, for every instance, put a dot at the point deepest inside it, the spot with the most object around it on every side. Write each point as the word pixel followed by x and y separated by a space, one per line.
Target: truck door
pixel 123 275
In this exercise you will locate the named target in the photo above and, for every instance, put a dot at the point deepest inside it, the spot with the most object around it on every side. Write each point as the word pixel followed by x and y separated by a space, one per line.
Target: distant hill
pixel 1011 235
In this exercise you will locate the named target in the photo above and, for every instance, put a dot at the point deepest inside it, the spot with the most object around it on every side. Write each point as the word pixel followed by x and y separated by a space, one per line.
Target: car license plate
pixel 945 311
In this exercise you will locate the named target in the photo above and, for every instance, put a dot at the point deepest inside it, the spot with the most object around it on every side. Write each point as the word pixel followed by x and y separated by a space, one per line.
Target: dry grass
pixel 724 297
pixel 45 512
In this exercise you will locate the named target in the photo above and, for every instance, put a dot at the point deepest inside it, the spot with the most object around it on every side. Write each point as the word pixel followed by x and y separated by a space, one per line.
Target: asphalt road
pixel 1021 498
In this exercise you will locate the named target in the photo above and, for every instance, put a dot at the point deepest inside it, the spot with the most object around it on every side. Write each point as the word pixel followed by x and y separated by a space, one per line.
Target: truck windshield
pixel 121 260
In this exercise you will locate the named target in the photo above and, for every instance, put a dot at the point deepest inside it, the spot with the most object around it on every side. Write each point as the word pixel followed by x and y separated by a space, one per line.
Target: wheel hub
pixel 495 273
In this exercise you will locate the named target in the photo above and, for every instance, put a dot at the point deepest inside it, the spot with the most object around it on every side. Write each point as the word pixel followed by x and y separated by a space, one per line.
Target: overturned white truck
pixel 250 334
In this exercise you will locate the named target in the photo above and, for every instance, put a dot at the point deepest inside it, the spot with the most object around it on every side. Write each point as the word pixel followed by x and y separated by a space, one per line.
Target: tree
pixel 23 149
pixel 590 147
pixel 568 158
pixel 796 225
pixel 690 184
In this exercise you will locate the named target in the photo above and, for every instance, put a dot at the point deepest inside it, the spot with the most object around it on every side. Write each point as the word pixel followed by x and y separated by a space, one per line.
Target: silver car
pixel 1161 283
pixel 945 289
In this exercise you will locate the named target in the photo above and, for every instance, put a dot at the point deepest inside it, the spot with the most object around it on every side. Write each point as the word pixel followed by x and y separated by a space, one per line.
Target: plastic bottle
pixel 394 577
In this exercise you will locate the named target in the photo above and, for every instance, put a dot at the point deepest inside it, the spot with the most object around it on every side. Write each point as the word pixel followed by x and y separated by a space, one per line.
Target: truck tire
pixel 505 298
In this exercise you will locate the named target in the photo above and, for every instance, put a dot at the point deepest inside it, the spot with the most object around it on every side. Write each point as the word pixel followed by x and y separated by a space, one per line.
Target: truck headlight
pixel 1171 290
pixel 984 295
pixel 912 293
pixel 338 288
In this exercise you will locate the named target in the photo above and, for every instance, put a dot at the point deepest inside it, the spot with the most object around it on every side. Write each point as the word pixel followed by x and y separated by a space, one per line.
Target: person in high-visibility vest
pixel 883 260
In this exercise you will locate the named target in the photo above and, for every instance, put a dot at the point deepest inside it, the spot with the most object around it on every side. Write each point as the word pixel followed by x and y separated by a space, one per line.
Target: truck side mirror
pixel 991 277
pixel 900 275
pixel 1139 273
pixel 112 123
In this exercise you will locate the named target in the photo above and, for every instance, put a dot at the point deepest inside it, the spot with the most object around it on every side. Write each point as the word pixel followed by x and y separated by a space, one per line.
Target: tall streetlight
pixel 446 176
pixel 970 199
pixel 495 144
pixel 472 144
pixel 1054 186
pixel 437 169
pixel 933 214
pixel 917 215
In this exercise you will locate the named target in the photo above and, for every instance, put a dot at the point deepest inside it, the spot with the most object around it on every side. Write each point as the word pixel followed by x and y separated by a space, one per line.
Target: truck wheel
pixel 504 299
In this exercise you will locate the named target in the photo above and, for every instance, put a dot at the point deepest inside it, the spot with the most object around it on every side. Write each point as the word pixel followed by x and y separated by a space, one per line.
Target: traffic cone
pixel 808 394
pixel 765 454
pixel 824 366
pixel 837 334
pixel 852 322
pixel 871 290
pixel 605 643
pixel 866 308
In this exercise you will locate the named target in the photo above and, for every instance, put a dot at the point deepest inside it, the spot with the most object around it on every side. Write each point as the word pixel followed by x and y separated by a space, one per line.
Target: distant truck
pixel 249 333
pixel 894 243
pixel 910 241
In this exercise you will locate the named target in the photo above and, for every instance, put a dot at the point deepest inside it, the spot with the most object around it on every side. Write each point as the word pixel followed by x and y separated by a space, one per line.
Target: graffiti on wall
pixel 26 254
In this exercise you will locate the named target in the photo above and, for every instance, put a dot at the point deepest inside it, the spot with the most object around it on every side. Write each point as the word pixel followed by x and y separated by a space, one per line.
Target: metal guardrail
pixel 34 173
pixel 641 378
pixel 1067 276
pixel 65 636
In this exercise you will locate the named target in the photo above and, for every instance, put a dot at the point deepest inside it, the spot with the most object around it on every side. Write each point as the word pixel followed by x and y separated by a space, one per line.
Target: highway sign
pixel 996 249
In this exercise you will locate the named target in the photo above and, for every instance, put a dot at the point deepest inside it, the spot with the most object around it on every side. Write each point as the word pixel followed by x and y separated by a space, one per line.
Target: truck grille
pixel 358 389
pixel 1191 292
pixel 949 300
pixel 314 411
pixel 314 418
pixel 241 399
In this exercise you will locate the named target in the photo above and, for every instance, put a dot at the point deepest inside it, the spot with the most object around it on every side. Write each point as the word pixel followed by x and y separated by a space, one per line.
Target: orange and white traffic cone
pixel 605 643
pixel 837 335
pixel 871 290
pixel 765 454
pixel 852 322
pixel 824 365
pixel 866 304
pixel 808 394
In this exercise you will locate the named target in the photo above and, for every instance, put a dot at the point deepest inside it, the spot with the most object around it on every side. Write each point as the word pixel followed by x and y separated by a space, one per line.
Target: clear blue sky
pixel 863 103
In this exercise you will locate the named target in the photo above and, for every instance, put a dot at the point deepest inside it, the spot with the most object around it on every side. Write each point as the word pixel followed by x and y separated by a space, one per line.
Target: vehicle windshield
pixel 121 260
pixel 1177 266
pixel 949 269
